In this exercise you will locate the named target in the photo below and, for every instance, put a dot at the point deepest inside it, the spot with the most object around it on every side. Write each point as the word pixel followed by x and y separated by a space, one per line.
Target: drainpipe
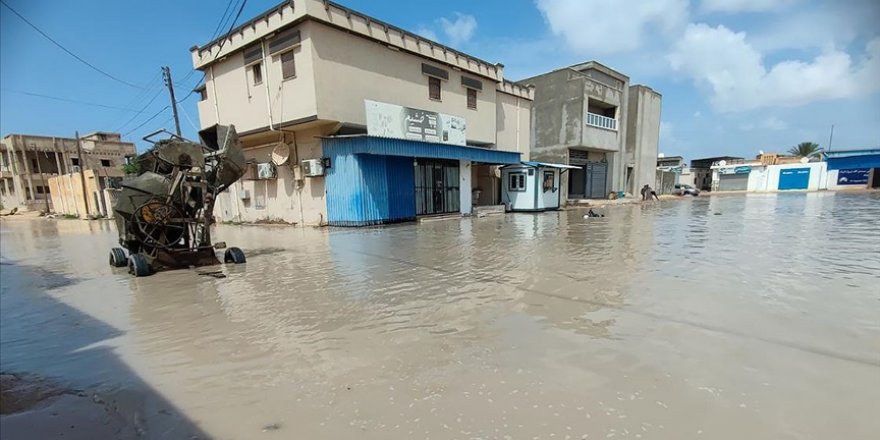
pixel 266 84
pixel 214 86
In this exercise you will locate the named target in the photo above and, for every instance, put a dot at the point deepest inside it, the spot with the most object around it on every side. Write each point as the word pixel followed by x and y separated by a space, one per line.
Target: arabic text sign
pixel 394 121
pixel 857 176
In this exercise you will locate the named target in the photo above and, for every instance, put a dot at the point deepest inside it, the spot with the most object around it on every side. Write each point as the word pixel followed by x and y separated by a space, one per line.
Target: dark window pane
pixel 471 98
pixel 258 73
pixel 288 68
pixel 434 88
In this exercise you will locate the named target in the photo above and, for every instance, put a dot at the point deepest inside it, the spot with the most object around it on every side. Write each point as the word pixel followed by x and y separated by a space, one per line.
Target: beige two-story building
pixel 27 162
pixel 349 120
pixel 589 116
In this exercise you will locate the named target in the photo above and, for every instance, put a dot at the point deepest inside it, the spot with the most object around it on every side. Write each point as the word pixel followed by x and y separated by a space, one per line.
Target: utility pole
pixel 831 138
pixel 43 180
pixel 82 174
pixel 166 74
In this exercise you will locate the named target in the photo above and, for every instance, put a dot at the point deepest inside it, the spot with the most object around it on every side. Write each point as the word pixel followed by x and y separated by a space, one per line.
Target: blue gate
pixel 794 178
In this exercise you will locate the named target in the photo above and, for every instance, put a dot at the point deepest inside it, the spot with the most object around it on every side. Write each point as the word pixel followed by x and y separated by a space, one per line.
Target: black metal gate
pixel 437 187
pixel 597 178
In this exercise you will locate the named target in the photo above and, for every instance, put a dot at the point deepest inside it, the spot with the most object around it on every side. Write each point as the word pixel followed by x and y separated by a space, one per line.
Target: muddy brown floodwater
pixel 741 317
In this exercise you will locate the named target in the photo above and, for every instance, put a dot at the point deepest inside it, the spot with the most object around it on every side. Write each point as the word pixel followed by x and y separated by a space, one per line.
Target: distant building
pixel 27 162
pixel 702 170
pixel 670 162
pixel 587 115
pixel 853 169
pixel 349 120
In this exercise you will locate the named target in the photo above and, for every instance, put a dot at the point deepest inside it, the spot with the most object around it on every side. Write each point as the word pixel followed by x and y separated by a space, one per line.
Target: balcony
pixel 601 121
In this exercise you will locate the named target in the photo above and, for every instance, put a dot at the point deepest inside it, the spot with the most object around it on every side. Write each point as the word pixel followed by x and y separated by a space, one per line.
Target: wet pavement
pixel 718 317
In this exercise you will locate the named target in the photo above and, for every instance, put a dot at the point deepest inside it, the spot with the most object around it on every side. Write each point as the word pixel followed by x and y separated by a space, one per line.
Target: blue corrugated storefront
pixel 371 180
pixel 854 168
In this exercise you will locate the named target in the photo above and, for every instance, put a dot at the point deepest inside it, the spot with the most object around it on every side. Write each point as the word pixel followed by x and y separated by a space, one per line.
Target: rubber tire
pixel 234 255
pixel 117 257
pixel 138 266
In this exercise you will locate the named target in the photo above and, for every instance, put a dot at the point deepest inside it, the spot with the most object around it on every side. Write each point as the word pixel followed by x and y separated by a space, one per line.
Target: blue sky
pixel 737 76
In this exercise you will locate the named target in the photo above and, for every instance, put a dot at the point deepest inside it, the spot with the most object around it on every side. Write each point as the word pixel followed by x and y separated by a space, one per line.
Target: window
pixel 106 163
pixel 516 182
pixel 472 98
pixel 74 161
pixel 33 164
pixel 42 189
pixel 434 88
pixel 257 71
pixel 549 179
pixel 288 67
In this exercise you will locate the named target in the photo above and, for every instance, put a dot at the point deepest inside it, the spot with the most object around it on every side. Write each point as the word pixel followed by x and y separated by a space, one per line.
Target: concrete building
pixel 588 115
pixel 349 120
pixel 853 169
pixel 27 162
pixel 702 170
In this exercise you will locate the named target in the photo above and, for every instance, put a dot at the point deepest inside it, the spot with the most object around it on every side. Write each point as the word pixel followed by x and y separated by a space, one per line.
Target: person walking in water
pixel 649 193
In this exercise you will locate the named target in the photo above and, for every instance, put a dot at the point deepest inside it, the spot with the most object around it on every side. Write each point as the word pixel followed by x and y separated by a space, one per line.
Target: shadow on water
pixel 42 337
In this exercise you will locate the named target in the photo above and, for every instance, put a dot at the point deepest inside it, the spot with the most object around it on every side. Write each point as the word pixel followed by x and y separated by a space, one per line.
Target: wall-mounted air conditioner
pixel 265 171
pixel 313 167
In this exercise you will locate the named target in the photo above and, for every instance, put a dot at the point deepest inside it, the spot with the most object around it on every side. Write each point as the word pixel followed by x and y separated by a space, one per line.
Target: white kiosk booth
pixel 532 186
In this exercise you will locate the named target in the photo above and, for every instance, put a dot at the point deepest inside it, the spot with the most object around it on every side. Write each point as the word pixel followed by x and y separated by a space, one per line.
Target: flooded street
pixel 717 317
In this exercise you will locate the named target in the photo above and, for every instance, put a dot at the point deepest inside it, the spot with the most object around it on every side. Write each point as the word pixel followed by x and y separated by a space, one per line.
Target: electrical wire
pixel 58 98
pixel 143 109
pixel 229 32
pixel 147 121
pixel 67 50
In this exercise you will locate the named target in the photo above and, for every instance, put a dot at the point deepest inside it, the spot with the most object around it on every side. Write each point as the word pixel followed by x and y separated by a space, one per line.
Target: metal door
pixel 437 187
pixel 794 178
pixel 733 182
pixel 597 177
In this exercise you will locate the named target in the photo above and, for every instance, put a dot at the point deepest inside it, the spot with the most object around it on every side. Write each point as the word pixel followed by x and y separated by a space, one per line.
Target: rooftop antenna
pixel 831 138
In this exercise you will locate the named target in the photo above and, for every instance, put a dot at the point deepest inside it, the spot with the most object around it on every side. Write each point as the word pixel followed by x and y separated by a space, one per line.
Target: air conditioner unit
pixel 245 195
pixel 265 171
pixel 313 167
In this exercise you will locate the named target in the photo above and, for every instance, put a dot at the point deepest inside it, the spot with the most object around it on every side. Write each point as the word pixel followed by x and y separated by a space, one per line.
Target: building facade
pixel 334 107
pixel 702 170
pixel 588 115
pixel 27 162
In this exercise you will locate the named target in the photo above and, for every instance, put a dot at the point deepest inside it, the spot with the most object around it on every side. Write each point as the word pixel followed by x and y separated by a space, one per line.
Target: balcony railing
pixel 601 121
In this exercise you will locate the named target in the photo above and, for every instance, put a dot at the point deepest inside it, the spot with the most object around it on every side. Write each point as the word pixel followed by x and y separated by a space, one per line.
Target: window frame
pixel 472 93
pixel 432 81
pixel 292 61
pixel 257 73
pixel 108 161
pixel 520 179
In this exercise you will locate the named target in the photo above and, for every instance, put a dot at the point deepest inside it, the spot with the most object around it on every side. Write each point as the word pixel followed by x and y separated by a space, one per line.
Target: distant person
pixel 649 193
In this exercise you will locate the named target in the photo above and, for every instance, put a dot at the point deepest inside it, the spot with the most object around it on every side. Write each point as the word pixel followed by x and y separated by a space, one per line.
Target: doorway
pixel 437 187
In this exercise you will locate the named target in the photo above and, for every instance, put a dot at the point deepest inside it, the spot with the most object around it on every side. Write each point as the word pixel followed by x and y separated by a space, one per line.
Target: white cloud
pixel 460 30
pixel 734 71
pixel 825 25
pixel 735 6
pixel 603 27
pixel 774 123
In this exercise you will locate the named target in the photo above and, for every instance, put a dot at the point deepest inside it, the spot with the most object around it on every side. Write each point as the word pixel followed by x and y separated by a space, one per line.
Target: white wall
pixel 519 199
pixel 513 124
pixel 465 186
pixel 547 199
pixel 818 177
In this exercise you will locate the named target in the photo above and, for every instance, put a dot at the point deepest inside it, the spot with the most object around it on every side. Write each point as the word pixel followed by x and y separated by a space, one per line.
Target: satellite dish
pixel 280 154
pixel 805 160
pixel 761 152
pixel 722 162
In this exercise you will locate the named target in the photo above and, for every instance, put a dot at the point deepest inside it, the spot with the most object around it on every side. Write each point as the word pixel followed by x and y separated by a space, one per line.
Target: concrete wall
pixel 513 124
pixel 350 69
pixel 68 198
pixel 818 175
pixel 642 135
pixel 233 97
pixel 286 198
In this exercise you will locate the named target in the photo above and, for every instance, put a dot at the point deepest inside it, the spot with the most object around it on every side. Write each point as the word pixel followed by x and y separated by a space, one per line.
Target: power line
pixel 229 32
pixel 146 122
pixel 58 98
pixel 223 18
pixel 144 108
pixel 66 50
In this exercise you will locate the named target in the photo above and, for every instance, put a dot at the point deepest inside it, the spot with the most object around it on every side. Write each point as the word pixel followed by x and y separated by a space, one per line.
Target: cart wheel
pixel 234 255
pixel 117 257
pixel 138 266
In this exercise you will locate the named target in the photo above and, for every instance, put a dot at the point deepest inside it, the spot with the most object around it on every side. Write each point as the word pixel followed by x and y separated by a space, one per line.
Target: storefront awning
pixel 398 147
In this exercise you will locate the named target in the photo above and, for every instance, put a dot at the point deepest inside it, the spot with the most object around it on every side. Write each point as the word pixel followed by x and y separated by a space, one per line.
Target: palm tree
pixel 805 149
